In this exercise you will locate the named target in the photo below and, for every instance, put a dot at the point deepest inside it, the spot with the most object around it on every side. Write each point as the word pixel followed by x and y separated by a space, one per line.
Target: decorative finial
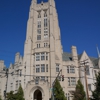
pixel 98 51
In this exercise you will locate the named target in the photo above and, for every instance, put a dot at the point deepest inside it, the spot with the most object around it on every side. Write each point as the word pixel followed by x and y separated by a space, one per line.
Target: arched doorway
pixel 37 95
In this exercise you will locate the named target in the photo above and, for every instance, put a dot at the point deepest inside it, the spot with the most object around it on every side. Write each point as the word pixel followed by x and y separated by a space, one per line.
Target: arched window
pixel 39 14
pixel 45 13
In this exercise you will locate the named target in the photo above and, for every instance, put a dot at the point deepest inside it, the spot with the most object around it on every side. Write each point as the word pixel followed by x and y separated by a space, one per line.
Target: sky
pixel 79 22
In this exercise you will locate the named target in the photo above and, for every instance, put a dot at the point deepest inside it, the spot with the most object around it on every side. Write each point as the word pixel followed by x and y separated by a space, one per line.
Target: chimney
pixel 74 53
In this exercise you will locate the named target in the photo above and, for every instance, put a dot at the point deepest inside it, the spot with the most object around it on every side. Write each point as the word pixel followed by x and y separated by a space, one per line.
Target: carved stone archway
pixel 37 95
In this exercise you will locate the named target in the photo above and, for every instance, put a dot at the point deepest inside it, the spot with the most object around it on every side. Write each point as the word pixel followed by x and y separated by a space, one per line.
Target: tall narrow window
pixel 38 45
pixel 19 82
pixel 72 69
pixel 45 22
pixel 45 32
pixel 95 72
pixel 89 87
pixel 57 67
pixel 43 68
pixel 68 96
pixel 45 13
pixel 68 81
pixel 39 14
pixel 37 68
pixel 45 18
pixel 39 31
pixel 87 70
pixel 42 56
pixel 37 56
pixel 39 24
pixel 73 81
pixel 44 45
pixel 67 69
pixel 46 56
pixel 38 37
pixel 46 67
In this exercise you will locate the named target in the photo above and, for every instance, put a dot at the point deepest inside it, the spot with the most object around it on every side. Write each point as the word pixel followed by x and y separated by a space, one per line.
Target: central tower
pixel 43 50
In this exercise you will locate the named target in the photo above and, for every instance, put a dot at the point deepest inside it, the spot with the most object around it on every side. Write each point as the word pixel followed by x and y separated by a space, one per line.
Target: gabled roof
pixel 67 56
pixel 95 62
pixel 79 56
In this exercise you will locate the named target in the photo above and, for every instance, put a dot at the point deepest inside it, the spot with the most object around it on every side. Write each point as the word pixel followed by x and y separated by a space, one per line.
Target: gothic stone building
pixel 44 58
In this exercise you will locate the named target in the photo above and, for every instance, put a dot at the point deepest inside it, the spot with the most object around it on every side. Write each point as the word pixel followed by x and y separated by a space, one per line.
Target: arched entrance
pixel 37 95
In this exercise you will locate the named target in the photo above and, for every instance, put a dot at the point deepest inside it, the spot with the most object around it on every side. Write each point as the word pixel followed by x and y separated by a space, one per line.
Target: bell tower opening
pixel 37 95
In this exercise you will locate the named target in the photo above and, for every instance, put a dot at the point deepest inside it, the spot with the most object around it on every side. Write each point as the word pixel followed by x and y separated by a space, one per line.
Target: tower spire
pixel 98 51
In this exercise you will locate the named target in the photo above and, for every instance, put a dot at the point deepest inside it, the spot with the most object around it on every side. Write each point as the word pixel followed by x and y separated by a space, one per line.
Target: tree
pixel 58 91
pixel 17 96
pixel 79 93
pixel 96 92
pixel 10 95
pixel 20 94
pixel 0 97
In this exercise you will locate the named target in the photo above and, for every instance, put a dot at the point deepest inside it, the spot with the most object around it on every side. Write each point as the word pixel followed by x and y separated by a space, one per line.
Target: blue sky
pixel 79 22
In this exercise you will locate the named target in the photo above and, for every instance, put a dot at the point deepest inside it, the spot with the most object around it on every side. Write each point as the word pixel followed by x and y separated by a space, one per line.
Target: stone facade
pixel 44 58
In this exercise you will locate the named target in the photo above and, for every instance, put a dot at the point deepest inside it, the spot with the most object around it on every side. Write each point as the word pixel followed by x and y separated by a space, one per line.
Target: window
pixel 70 69
pixel 37 80
pixel 45 35
pixel 19 82
pixel 45 13
pixel 57 67
pixel 20 72
pixel 87 70
pixel 42 56
pixel 37 56
pixel 38 37
pixel 95 72
pixel 39 14
pixel 43 78
pixel 11 86
pixel 37 68
pixel 89 87
pixel 39 31
pixel 16 84
pixel 43 68
pixel 67 69
pixel 45 19
pixel 39 24
pixel 71 81
pixel 68 81
pixel 45 22
pixel 45 44
pixel 68 96
pixel 46 56
pixel 46 67
pixel 38 45
pixel 45 32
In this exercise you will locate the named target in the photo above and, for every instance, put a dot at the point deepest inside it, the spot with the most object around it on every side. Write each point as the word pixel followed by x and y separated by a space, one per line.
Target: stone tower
pixel 43 50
